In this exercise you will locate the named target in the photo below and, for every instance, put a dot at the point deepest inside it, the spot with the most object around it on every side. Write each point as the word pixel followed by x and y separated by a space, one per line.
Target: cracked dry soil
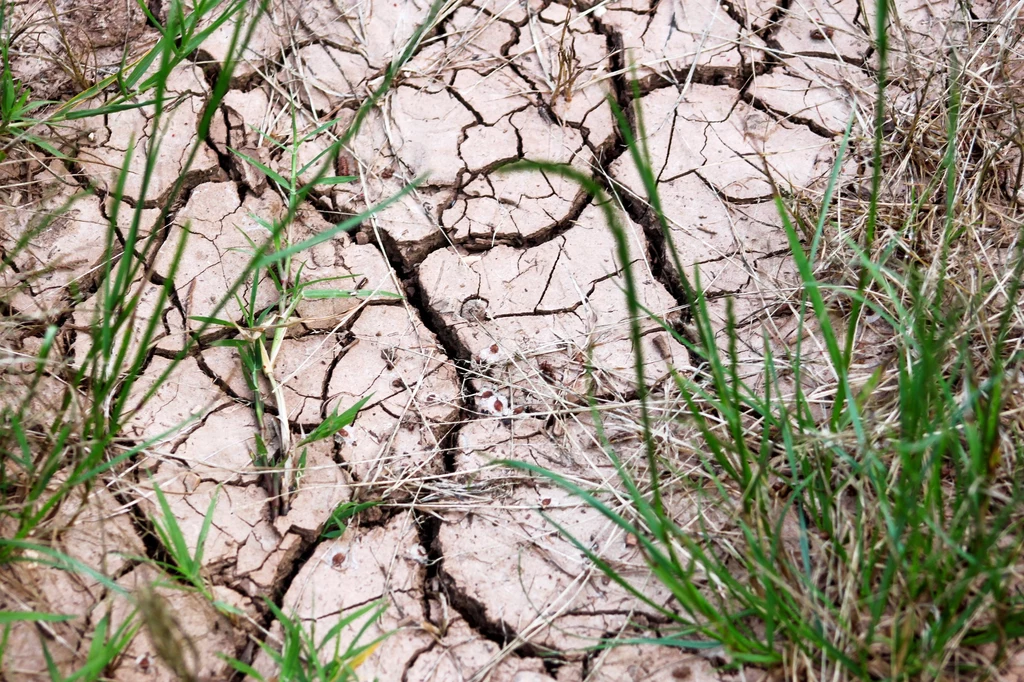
pixel 506 283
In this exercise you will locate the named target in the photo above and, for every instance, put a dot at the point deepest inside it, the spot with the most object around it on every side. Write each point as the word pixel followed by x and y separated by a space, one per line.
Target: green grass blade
pixel 335 422
pixel 7 617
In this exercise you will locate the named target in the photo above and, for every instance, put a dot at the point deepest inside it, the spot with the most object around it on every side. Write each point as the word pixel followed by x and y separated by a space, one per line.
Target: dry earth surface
pixel 508 283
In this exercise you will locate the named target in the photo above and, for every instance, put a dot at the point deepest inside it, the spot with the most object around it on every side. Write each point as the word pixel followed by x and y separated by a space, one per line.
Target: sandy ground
pixel 508 283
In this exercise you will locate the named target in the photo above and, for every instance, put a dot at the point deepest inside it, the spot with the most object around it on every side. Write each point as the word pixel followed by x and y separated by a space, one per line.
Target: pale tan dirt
pixel 533 318
pixel 505 290
pixel 111 139
pixel 64 256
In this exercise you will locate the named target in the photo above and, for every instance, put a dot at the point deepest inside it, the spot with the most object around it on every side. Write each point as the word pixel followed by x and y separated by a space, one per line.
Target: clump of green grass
pixel 25 120
pixel 881 536
pixel 303 657
pixel 262 331
pixel 45 457
pixel 104 649
pixel 84 431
